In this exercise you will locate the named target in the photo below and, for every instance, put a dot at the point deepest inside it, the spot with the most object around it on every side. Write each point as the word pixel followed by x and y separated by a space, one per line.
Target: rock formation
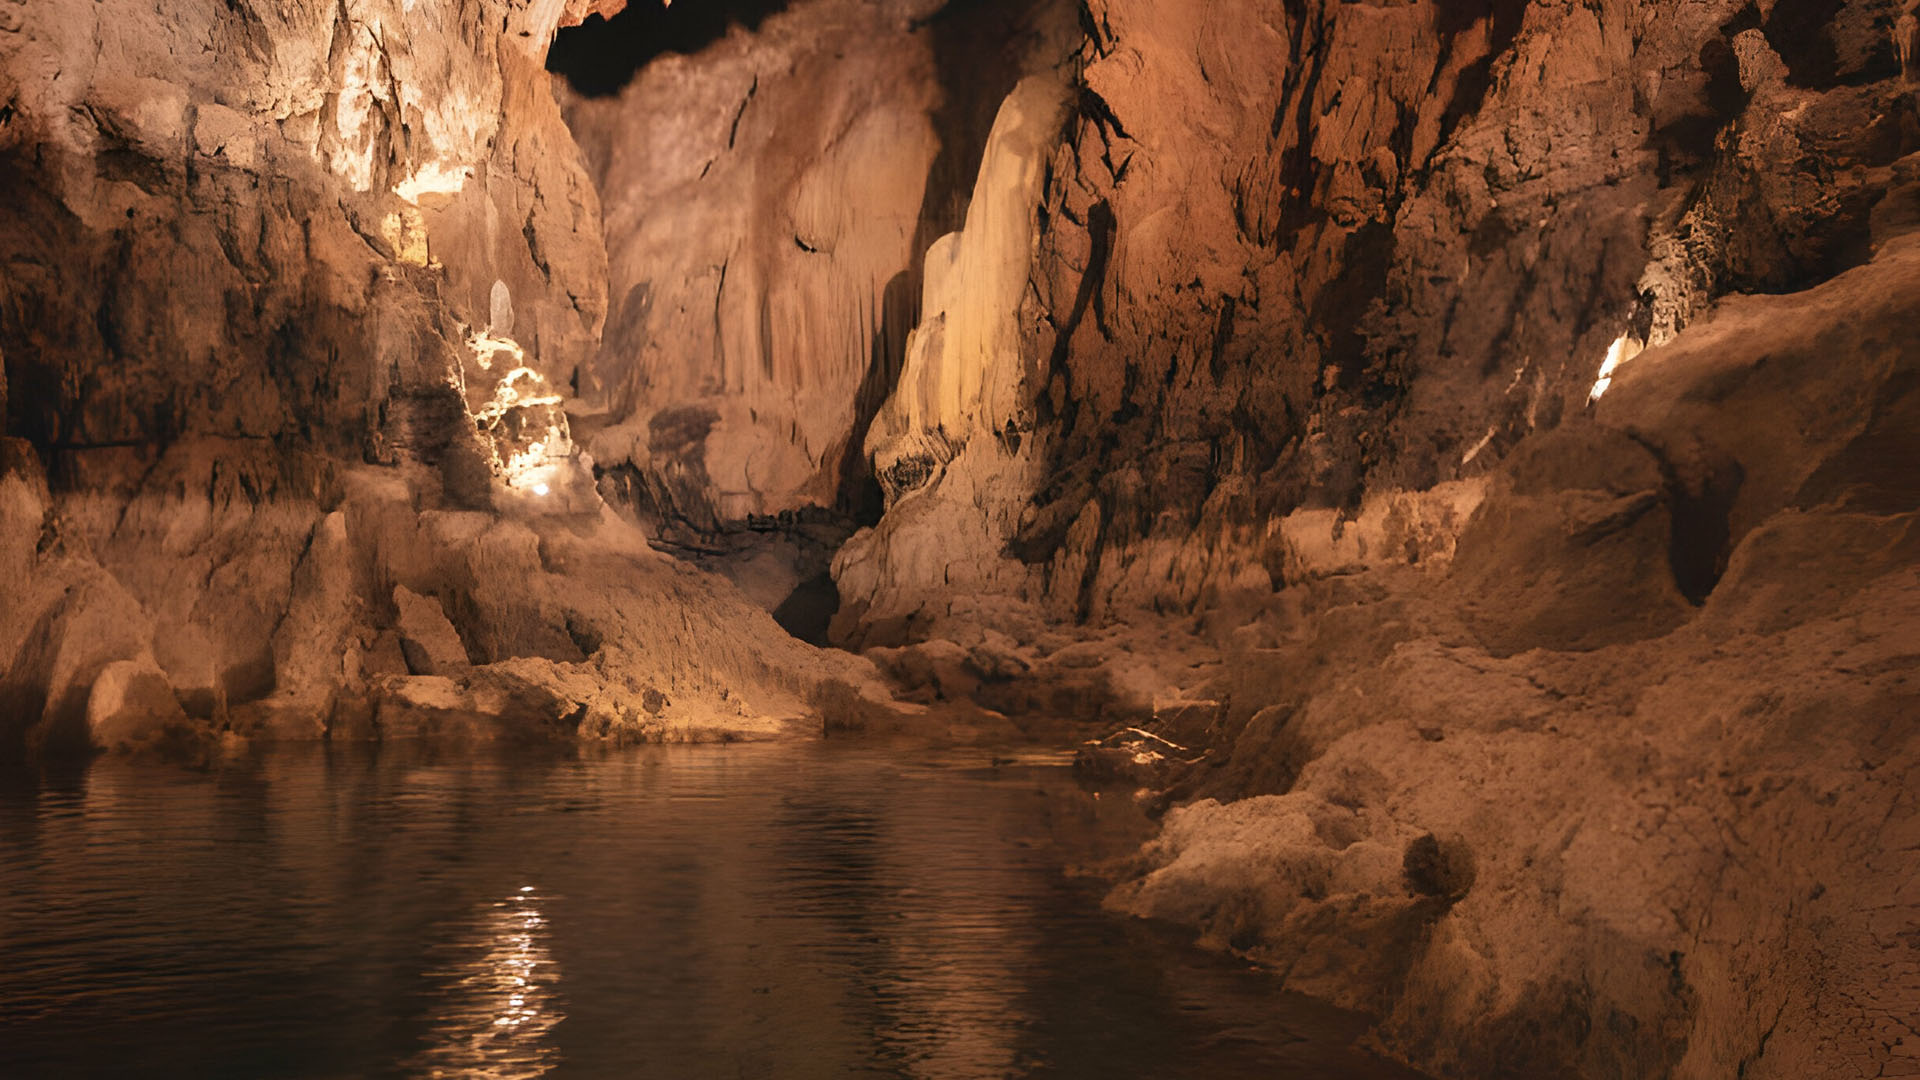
pixel 1516 401
pixel 291 302
pixel 758 323
pixel 1466 451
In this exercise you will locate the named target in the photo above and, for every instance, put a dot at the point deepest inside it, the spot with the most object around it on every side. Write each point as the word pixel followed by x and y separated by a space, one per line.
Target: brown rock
pixel 131 703
pixel 428 641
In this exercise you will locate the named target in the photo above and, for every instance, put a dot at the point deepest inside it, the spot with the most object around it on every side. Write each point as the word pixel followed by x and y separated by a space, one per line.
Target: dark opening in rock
pixel 600 55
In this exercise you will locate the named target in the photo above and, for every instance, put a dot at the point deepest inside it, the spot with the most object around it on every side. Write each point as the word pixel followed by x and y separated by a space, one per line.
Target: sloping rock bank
pixel 205 604
pixel 1547 814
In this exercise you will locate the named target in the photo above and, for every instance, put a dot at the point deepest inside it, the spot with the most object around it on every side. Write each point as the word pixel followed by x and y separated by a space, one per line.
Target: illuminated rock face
pixel 315 183
pixel 1504 395
pixel 767 203
pixel 1294 259
pixel 295 295
pixel 1486 429
pixel 946 445
pixel 963 376
pixel 762 199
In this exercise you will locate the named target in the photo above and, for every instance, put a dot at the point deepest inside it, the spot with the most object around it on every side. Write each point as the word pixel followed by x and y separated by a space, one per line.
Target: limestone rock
pixel 131 703
pixel 756 329
pixel 1488 427
pixel 952 425
pixel 964 376
pixel 1330 897
pixel 1575 552
pixel 429 642
pixel 1564 712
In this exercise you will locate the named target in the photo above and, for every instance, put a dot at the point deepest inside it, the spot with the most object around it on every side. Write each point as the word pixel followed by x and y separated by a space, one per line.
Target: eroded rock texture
pixel 1474 444
pixel 292 296
pixel 770 187
pixel 768 201
pixel 1294 254
pixel 1487 428
pixel 1674 819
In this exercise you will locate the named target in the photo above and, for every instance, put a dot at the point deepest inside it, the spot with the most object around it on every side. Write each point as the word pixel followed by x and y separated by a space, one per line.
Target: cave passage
pixel 1166 438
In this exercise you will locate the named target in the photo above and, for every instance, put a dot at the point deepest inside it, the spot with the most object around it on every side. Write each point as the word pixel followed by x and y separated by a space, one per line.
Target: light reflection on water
pixel 496 1008
pixel 790 911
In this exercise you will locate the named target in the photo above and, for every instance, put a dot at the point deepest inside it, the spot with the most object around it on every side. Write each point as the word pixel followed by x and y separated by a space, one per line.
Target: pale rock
pixel 964 374
pixel 757 328
pixel 1392 527
pixel 430 643
pixel 227 135
pixel 757 302
pixel 1326 895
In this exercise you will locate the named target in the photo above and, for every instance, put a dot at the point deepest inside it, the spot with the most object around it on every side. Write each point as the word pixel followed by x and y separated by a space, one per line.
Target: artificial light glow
pixel 520 387
pixel 523 418
pixel 433 178
pixel 485 345
pixel 1622 350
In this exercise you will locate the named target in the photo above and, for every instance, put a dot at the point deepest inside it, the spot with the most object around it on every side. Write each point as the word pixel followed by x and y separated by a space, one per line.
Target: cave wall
pixel 292 298
pixel 768 197
pixel 310 174
pixel 1296 257
pixel 1249 396
pixel 1475 444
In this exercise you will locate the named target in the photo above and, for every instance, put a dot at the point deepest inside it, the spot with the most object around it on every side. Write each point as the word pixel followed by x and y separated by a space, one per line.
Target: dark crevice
pixel 1366 258
pixel 600 56
pixel 1062 494
pixel 809 609
pixel 1470 86
pixel 1702 531
pixel 733 131
pixel 859 495
pixel 1803 32
pixel 1700 507
pixel 1798 31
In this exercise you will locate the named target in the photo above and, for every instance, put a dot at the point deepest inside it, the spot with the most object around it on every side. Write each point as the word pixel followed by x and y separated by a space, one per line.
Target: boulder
pixel 427 639
pixel 132 704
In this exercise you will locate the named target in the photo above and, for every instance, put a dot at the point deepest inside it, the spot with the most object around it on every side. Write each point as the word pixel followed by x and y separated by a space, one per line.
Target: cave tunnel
pixel 959 538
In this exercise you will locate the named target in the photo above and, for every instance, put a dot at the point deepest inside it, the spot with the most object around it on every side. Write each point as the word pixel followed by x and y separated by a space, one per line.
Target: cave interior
pixel 1453 466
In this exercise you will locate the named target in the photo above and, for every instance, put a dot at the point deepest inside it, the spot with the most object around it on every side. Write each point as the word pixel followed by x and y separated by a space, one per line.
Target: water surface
pixel 790 910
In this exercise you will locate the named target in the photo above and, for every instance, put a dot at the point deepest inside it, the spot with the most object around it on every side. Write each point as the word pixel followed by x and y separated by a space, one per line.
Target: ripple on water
pixel 805 910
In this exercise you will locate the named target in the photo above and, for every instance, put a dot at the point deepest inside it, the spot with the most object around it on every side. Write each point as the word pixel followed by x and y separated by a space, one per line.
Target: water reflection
pixel 804 911
pixel 495 1003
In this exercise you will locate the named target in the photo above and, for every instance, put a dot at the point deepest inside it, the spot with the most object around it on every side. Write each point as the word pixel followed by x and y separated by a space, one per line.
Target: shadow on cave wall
pixel 600 56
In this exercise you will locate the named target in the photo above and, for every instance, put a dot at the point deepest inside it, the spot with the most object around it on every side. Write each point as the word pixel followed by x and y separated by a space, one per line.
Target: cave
pixel 948 538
